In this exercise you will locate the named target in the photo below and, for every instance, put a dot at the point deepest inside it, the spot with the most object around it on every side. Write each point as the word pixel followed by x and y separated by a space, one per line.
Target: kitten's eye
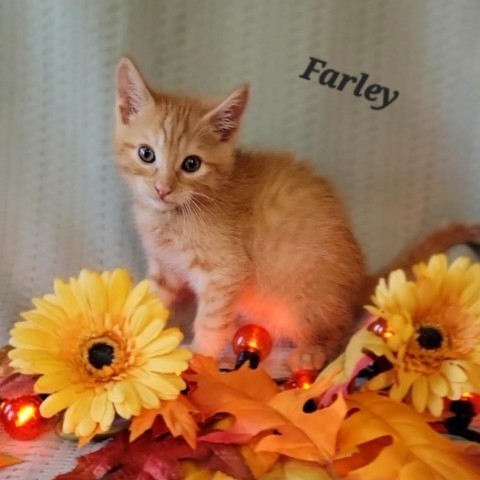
pixel 191 164
pixel 146 154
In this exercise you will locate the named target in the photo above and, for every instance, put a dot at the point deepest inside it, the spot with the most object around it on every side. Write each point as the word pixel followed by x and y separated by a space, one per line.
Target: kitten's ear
pixel 133 94
pixel 225 118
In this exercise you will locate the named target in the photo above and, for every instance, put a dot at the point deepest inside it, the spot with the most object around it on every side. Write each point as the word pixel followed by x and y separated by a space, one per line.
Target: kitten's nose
pixel 163 191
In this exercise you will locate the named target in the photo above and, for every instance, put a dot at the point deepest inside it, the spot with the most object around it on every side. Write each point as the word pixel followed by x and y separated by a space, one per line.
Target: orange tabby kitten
pixel 257 236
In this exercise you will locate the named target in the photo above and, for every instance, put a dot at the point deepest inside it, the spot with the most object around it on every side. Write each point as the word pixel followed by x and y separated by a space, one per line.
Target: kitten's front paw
pixel 311 357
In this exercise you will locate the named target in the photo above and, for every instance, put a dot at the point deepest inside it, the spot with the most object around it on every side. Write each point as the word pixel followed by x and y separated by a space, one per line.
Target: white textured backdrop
pixel 402 170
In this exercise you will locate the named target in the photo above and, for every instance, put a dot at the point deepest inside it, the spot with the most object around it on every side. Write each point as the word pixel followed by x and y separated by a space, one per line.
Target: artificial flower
pixel 100 346
pixel 432 332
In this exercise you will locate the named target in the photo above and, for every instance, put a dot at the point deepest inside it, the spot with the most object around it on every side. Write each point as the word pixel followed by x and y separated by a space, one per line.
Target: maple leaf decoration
pixel 276 419
pixel 178 417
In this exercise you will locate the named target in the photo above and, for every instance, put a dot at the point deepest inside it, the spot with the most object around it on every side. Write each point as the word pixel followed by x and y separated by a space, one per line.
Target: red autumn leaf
pixel 159 427
pixel 228 459
pixel 148 458
pixel 97 464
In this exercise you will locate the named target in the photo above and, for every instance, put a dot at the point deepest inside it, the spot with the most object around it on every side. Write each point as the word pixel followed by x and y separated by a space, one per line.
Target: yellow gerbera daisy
pixel 100 348
pixel 432 335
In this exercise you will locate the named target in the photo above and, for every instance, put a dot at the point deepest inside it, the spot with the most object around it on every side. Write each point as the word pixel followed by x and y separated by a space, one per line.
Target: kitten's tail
pixel 438 241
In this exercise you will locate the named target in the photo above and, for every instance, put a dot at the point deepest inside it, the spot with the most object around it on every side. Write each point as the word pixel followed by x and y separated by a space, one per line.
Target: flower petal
pixel 453 372
pixel 31 356
pixel 420 394
pixel 23 336
pixel 130 395
pixel 148 398
pixel 382 380
pixel 80 295
pixel 115 393
pixel 438 385
pixel 435 404
pixel 66 297
pixel 108 417
pixel 139 320
pixel 135 298
pixel 124 410
pixel 119 288
pixel 164 343
pixel 86 427
pixel 77 412
pixel 59 401
pixel 96 293
pixel 50 310
pixel 149 333
pixel 99 406
pixel 41 320
pixel 174 362
pixel 455 391
pixel 53 382
pixel 167 387
pixel 402 387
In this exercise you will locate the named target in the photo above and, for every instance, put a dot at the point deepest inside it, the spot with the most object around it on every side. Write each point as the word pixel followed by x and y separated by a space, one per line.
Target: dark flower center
pixel 101 355
pixel 429 338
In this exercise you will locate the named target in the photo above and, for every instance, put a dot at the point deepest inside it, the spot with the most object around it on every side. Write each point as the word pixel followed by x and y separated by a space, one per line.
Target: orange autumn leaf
pixel 257 406
pixel 8 460
pixel 192 471
pixel 297 470
pixel 258 462
pixel 178 416
pixel 244 389
pixel 142 422
pixel 255 384
pixel 204 365
pixel 244 394
pixel 360 456
pixel 415 450
pixel 306 436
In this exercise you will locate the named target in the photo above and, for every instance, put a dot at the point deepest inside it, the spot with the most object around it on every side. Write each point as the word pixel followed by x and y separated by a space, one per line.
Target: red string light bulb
pixel 301 379
pixel 21 417
pixel 380 328
pixel 251 344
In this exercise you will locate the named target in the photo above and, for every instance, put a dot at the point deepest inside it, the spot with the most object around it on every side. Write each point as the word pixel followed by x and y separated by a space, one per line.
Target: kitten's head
pixel 172 150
